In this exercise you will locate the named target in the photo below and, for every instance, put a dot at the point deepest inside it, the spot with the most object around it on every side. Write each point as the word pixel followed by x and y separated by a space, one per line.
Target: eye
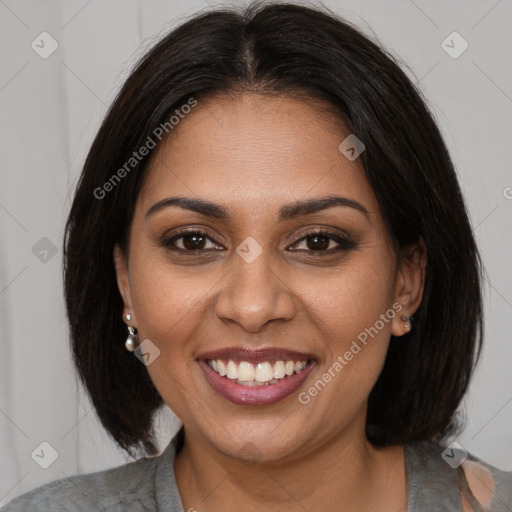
pixel 190 241
pixel 316 242
pixel 324 242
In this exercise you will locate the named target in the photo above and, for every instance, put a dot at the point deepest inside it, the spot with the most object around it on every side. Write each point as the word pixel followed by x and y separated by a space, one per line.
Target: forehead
pixel 255 151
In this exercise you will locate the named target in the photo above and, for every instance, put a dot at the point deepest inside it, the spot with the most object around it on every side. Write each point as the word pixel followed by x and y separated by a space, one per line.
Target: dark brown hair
pixel 283 49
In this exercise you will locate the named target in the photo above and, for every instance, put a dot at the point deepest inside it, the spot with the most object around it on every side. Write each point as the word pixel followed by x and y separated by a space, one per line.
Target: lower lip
pixel 255 395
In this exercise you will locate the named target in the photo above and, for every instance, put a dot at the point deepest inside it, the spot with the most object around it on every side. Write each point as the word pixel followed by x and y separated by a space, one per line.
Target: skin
pixel 253 154
pixel 481 484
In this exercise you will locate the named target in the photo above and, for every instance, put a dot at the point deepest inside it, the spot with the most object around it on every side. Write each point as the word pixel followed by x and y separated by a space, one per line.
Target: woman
pixel 269 221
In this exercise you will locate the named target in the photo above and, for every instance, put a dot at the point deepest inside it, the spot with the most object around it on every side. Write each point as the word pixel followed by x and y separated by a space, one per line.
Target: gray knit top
pixel 149 484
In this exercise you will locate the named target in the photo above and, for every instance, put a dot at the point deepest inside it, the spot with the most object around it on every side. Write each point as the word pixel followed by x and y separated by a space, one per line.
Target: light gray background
pixel 50 111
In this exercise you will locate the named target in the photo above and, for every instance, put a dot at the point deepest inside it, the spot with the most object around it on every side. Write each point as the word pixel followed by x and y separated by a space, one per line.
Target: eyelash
pixel 344 244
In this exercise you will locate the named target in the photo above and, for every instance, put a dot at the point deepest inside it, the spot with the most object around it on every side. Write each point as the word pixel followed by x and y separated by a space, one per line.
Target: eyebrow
pixel 287 212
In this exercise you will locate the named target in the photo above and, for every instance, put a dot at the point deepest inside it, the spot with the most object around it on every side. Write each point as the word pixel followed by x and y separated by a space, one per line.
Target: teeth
pixel 245 371
pixel 251 383
pixel 261 374
pixel 279 370
pixel 232 370
pixel 299 366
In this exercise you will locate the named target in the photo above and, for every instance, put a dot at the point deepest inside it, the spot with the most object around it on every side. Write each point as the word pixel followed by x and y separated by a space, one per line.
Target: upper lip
pixel 256 355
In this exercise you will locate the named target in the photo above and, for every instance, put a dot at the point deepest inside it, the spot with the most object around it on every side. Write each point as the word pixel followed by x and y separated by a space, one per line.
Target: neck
pixel 344 473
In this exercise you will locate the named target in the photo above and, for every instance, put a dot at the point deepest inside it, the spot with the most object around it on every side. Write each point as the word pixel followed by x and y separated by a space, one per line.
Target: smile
pixel 265 376
pixel 260 374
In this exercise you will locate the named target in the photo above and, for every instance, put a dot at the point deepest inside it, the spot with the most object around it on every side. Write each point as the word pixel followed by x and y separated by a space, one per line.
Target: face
pixel 259 280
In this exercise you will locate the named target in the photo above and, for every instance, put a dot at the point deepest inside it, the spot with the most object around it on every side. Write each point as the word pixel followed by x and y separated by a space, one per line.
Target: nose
pixel 255 294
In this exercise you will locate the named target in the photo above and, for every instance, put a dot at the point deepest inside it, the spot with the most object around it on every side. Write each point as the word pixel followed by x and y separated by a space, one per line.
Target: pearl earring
pixel 407 321
pixel 132 340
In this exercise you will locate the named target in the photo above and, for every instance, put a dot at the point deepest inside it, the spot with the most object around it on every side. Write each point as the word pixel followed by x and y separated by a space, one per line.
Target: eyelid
pixel 324 231
pixel 344 241
pixel 166 239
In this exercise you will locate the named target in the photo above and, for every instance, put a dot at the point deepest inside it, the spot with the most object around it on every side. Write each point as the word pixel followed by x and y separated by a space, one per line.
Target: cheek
pixel 352 310
pixel 169 307
pixel 351 298
pixel 170 302
pixel 167 303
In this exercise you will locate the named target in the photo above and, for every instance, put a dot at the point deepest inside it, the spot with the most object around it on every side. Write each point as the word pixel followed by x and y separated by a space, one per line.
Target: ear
pixel 123 278
pixel 409 284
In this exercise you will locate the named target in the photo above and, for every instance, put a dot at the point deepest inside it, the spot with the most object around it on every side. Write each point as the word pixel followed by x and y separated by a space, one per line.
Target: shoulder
pixel 460 476
pixel 130 485
pixel 491 487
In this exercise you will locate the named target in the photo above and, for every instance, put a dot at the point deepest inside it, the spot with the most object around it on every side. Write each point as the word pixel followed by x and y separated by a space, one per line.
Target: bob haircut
pixel 306 53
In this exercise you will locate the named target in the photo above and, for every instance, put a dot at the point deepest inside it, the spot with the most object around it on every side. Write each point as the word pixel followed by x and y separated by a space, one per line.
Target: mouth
pixel 265 373
pixel 261 377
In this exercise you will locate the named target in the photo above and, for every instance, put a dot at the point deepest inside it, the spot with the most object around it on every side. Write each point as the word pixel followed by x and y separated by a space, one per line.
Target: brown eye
pixel 189 241
pixel 318 242
pixel 193 242
pixel 324 242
